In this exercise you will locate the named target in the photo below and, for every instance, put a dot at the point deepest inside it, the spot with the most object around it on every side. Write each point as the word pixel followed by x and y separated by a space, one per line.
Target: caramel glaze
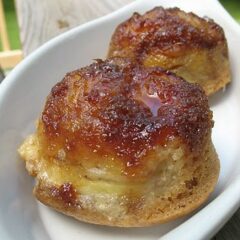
pixel 165 31
pixel 65 193
pixel 122 109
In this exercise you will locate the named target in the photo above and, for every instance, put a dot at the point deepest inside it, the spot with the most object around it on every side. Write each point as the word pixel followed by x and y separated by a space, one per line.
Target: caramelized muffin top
pixel 168 31
pixel 119 108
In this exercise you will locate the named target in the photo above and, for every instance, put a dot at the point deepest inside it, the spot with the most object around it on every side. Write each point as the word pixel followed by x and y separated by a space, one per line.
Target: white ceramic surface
pixel 22 96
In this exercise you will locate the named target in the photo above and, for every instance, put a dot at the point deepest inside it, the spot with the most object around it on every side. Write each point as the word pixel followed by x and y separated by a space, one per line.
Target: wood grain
pixel 41 20
pixel 231 231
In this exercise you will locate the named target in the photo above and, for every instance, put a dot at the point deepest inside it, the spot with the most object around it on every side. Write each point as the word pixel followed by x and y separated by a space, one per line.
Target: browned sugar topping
pixel 165 30
pixel 124 109
pixel 65 193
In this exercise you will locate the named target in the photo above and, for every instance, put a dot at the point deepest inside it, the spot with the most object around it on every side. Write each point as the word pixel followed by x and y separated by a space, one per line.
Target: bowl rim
pixel 213 207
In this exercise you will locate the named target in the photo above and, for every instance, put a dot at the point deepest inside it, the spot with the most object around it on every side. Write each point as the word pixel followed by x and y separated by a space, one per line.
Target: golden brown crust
pixel 124 109
pixel 179 41
pixel 176 202
pixel 165 30
pixel 123 145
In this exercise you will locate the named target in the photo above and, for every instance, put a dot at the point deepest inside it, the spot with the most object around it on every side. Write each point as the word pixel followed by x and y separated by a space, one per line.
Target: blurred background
pixel 233 7
pixel 11 20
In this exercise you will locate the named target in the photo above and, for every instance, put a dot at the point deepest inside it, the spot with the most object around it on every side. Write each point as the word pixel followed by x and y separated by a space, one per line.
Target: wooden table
pixel 40 20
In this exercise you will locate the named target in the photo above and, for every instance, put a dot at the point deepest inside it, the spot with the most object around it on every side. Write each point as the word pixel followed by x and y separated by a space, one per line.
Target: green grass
pixel 233 7
pixel 12 25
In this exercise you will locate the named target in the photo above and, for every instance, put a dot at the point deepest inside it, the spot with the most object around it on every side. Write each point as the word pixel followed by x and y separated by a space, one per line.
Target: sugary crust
pixel 193 47
pixel 119 108
pixel 123 145
pixel 166 29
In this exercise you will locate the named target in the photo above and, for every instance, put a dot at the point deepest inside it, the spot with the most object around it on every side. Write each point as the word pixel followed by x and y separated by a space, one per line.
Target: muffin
pixel 123 145
pixel 192 47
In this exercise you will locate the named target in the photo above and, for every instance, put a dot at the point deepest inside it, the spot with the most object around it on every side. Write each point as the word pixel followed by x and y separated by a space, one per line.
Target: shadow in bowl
pixel 18 206
pixel 88 230
pixel 221 96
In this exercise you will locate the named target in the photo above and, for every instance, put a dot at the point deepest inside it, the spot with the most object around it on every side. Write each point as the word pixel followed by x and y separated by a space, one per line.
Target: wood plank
pixel 41 20
pixel 9 59
pixel 231 231
pixel 3 29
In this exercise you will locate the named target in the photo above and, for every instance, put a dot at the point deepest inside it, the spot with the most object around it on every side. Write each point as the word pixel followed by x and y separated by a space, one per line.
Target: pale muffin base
pixel 182 183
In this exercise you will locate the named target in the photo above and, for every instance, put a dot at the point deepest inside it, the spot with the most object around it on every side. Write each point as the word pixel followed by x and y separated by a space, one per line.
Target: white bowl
pixel 22 95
